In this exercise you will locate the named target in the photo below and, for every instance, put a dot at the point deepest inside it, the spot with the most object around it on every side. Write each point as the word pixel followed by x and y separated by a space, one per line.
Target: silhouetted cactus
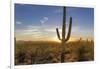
pixel 64 39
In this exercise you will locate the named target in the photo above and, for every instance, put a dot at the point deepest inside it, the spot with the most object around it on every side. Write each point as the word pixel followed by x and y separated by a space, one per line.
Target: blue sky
pixel 38 22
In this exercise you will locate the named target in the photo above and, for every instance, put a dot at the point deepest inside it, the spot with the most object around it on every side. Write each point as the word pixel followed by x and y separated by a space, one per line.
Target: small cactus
pixel 64 39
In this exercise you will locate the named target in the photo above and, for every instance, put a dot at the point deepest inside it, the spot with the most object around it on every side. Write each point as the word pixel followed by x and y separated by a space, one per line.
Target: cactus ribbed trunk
pixel 62 52
pixel 64 39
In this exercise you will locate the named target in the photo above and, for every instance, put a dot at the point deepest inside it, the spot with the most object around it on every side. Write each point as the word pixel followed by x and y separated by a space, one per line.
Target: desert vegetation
pixel 41 52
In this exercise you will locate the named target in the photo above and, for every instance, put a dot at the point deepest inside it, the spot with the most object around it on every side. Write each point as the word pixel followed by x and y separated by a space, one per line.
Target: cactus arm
pixel 69 30
pixel 64 23
pixel 58 34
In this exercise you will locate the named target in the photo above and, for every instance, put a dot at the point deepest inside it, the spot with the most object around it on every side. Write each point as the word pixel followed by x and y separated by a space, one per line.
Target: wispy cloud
pixel 44 20
pixel 36 32
pixel 18 22
pixel 48 32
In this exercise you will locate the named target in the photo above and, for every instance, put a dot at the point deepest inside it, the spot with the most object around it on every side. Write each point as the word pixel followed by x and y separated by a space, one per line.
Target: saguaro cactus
pixel 64 39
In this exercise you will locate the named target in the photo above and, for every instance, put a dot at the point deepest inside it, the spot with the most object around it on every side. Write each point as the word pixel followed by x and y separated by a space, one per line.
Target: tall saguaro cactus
pixel 64 38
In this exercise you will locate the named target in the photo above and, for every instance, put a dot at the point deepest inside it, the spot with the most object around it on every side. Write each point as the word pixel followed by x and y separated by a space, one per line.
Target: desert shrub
pixel 21 56
pixel 81 53
pixel 30 56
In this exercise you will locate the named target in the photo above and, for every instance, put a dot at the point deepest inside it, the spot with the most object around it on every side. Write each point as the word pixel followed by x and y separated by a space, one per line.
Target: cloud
pixel 18 22
pixel 44 20
pixel 33 27
pixel 36 32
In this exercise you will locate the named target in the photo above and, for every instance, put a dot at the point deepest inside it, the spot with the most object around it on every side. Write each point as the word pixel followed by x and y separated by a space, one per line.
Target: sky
pixel 39 22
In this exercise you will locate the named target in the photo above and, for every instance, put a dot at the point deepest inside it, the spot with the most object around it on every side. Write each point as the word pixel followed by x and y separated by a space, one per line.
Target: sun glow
pixel 71 39
pixel 55 39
